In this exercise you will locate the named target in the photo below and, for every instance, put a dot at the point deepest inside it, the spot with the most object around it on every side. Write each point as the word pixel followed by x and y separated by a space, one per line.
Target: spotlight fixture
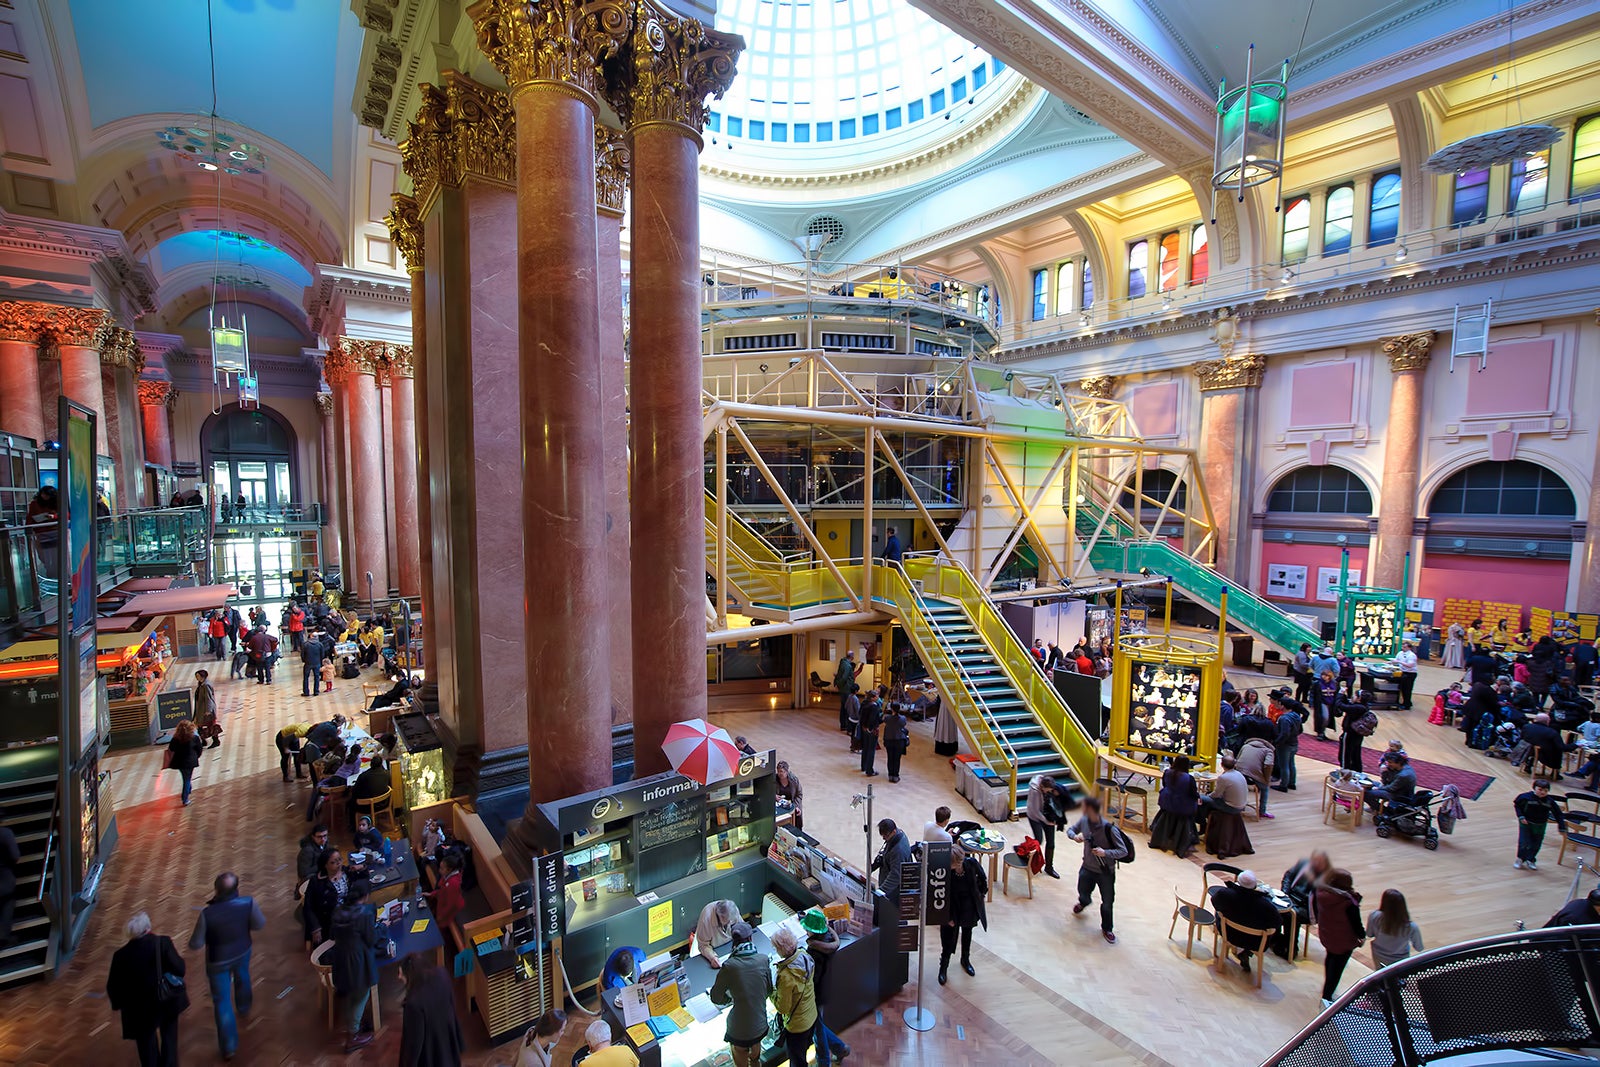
pixel 1083 320
pixel 1288 275
pixel 1400 254
pixel 1166 301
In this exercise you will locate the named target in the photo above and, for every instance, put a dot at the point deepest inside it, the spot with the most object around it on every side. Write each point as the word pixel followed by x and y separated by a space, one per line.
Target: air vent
pixel 933 348
pixel 828 226
pixel 760 342
pixel 858 342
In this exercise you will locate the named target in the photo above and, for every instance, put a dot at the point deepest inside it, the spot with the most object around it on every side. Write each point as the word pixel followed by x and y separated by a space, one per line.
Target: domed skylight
pixel 831 72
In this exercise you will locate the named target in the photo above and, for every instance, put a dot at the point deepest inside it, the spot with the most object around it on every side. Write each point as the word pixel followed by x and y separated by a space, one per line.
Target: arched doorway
pixel 251 454
pixel 1313 516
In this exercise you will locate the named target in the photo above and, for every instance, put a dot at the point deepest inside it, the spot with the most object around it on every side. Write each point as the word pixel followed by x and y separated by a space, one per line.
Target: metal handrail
pixel 1426 1008
pixel 49 844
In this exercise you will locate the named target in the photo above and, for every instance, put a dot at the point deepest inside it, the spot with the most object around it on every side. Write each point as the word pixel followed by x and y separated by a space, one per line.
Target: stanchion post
pixel 917 1017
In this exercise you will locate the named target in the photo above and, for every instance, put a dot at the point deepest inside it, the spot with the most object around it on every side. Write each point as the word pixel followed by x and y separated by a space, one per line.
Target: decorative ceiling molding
pixel 102 248
pixel 334 286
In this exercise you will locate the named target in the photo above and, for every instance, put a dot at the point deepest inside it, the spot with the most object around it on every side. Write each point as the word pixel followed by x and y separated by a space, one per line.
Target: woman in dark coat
pixel 1337 907
pixel 430 1035
pixel 183 755
pixel 131 985
pixel 967 888
pixel 355 960
pixel 1543 664
pixel 331 888
pixel 1173 829
pixel 1349 740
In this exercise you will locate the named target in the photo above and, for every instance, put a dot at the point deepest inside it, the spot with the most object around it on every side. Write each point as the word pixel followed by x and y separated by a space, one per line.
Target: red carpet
pixel 1434 776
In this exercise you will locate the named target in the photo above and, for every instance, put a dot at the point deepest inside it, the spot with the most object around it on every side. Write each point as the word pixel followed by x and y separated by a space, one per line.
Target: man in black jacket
pixel 312 655
pixel 1584 911
pixel 223 930
pixel 1242 903
pixel 1286 741
pixel 871 720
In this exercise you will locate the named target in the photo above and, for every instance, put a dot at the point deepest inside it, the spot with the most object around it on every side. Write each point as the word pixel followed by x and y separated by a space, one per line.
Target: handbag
pixel 169 986
pixel 166 759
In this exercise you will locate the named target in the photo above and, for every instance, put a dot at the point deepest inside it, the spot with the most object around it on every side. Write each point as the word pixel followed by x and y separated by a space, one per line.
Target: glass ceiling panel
pixel 826 61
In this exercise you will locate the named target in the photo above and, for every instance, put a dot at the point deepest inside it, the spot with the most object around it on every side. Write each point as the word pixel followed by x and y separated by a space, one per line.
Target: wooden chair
pixel 1579 841
pixel 1349 800
pixel 1012 860
pixel 1302 933
pixel 324 976
pixel 335 802
pixel 370 691
pixel 1582 796
pixel 1222 872
pixel 1219 933
pixel 373 807
pixel 1191 913
pixel 1252 802
pixel 1107 788
pixel 1127 818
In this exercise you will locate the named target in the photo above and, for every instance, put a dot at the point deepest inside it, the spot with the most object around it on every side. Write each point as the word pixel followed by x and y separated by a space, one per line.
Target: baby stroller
pixel 1412 818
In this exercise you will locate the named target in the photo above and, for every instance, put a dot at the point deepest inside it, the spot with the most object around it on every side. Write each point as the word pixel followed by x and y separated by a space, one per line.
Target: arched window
pixel 1138 263
pixel 1296 229
pixel 1088 287
pixel 1514 490
pixel 1322 491
pixel 1586 158
pixel 1154 486
pixel 1383 216
pixel 1199 256
pixel 1341 212
pixel 251 454
pixel 1041 294
pixel 1167 267
pixel 1530 183
pixel 1066 280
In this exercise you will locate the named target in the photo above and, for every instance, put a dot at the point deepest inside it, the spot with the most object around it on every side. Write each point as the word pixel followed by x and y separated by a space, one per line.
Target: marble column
pixel 366 466
pixel 676 64
pixel 1588 599
pixel 122 361
pixel 156 422
pixel 611 192
pixel 403 438
pixel 332 544
pixel 405 227
pixel 550 54
pixel 390 579
pixel 1397 497
pixel 1227 387
pixel 22 323
pixel 78 334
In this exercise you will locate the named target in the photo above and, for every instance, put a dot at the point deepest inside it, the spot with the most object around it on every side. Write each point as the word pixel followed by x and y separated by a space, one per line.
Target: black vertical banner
pixel 548 871
pixel 937 909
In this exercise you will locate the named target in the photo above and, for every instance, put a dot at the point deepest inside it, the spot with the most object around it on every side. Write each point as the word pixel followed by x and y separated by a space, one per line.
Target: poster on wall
pixel 1097 621
pixel 1163 707
pixel 1328 583
pixel 1286 581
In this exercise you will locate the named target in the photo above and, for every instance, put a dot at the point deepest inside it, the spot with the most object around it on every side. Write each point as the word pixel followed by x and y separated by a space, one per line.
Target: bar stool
pixel 1126 814
pixel 1012 860
pixel 1105 789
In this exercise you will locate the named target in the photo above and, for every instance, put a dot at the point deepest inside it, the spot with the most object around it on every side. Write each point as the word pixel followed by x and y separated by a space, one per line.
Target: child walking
pixel 1534 812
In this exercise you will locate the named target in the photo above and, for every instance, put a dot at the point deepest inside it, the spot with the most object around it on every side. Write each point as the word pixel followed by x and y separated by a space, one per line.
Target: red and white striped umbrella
pixel 698 750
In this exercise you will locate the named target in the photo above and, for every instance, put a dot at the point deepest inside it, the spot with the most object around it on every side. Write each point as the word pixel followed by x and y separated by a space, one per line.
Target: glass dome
pixel 831 72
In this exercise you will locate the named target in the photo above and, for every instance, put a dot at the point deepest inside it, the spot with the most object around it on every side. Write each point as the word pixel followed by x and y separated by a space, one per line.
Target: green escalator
pixel 1118 553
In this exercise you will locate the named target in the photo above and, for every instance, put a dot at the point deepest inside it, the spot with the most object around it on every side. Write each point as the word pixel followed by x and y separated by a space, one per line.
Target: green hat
pixel 814 922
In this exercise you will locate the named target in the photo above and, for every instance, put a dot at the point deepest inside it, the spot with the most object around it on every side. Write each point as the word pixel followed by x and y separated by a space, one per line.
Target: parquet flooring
pixel 1048 990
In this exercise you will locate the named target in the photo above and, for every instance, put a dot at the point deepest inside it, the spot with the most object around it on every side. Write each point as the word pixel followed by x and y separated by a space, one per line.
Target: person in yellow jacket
pixel 796 995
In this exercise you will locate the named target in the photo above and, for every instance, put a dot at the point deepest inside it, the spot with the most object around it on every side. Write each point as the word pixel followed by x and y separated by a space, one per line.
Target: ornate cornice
pixel 1100 387
pixel 401 364
pixel 461 128
pixel 1235 372
pixel 613 165
pixel 325 405
pixel 80 327
pixel 405 229
pixel 1408 351
pixel 156 393
pixel 554 43
pixel 23 320
pixel 675 64
pixel 120 348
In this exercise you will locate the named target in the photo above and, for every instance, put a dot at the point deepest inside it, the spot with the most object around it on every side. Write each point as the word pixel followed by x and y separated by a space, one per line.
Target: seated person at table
pixel 1546 741
pixel 312 846
pixel 1300 882
pixel 395 695
pixel 326 893
pixel 447 898
pixel 373 782
pixel 1230 793
pixel 602 1053
pixel 1243 903
pixel 715 929
pixel 368 837
pixel 325 772
pixel 622 968
pixel 1569 707
pixel 1584 911
pixel 1397 785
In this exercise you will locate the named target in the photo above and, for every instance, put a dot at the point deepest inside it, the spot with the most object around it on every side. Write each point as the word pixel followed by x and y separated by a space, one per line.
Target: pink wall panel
pixel 1531 582
pixel 1517 380
pixel 1311 557
pixel 1322 395
pixel 1154 409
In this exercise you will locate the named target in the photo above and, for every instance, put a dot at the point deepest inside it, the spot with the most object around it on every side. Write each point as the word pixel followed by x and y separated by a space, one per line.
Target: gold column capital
pixel 1408 351
pixel 557 43
pixel 405 229
pixel 401 363
pixel 359 355
pixel 1234 372
pixel 153 392
pixel 24 320
pixel 325 405
pixel 1099 387
pixel 79 327
pixel 613 164
pixel 462 127
pixel 674 64
pixel 120 348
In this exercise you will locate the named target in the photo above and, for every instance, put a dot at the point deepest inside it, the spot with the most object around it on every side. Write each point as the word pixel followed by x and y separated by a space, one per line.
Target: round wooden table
pixel 991 845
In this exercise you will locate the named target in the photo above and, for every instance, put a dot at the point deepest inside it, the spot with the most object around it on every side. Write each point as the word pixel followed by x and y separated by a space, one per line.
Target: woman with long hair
pixel 183 755
pixel 430 1034
pixel 1173 829
pixel 1337 907
pixel 1391 930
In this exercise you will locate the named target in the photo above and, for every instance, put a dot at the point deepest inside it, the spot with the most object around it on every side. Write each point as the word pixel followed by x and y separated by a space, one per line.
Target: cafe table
pixel 987 843
pixel 1288 917
pixel 394 879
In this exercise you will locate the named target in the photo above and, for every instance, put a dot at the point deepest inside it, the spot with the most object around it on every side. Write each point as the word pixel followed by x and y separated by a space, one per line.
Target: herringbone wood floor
pixel 1048 990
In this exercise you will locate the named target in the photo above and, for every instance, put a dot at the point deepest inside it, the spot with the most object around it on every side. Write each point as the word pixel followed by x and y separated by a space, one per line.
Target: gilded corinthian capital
pixel 1100 387
pixel 23 320
pixel 120 348
pixel 79 327
pixel 363 356
pixel 612 166
pixel 154 393
pixel 401 365
pixel 461 128
pixel 675 64
pixel 562 42
pixel 1408 351
pixel 405 229
pixel 1235 372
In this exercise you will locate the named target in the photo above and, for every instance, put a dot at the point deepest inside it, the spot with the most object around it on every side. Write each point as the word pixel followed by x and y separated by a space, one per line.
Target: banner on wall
pixel 1286 580
pixel 1328 583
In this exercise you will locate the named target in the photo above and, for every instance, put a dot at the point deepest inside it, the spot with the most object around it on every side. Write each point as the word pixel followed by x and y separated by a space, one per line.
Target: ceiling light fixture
pixel 1250 130
pixel 1400 254
pixel 210 149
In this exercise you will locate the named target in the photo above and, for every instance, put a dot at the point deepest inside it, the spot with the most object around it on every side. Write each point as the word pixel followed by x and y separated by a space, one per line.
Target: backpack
pixel 1365 726
pixel 1127 846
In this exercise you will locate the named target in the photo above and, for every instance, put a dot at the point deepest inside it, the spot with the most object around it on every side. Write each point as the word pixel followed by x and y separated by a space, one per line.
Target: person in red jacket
pixel 447 898
pixel 1336 906
pixel 217 630
pixel 297 627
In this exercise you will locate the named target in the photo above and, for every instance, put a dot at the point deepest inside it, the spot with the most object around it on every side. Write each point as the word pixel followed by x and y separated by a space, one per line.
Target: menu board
pixel 1163 707
pixel 1372 629
pixel 676 821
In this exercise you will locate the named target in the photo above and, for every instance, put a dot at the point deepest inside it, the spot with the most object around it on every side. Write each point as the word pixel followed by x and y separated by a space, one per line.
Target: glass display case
pixel 423 772
pixel 1166 695
pixel 1371 622
pixel 599 874
pixel 1163 706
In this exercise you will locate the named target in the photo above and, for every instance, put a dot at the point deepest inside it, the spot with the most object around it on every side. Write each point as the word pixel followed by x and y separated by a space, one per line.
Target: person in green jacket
pixel 745 982
pixel 796 995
